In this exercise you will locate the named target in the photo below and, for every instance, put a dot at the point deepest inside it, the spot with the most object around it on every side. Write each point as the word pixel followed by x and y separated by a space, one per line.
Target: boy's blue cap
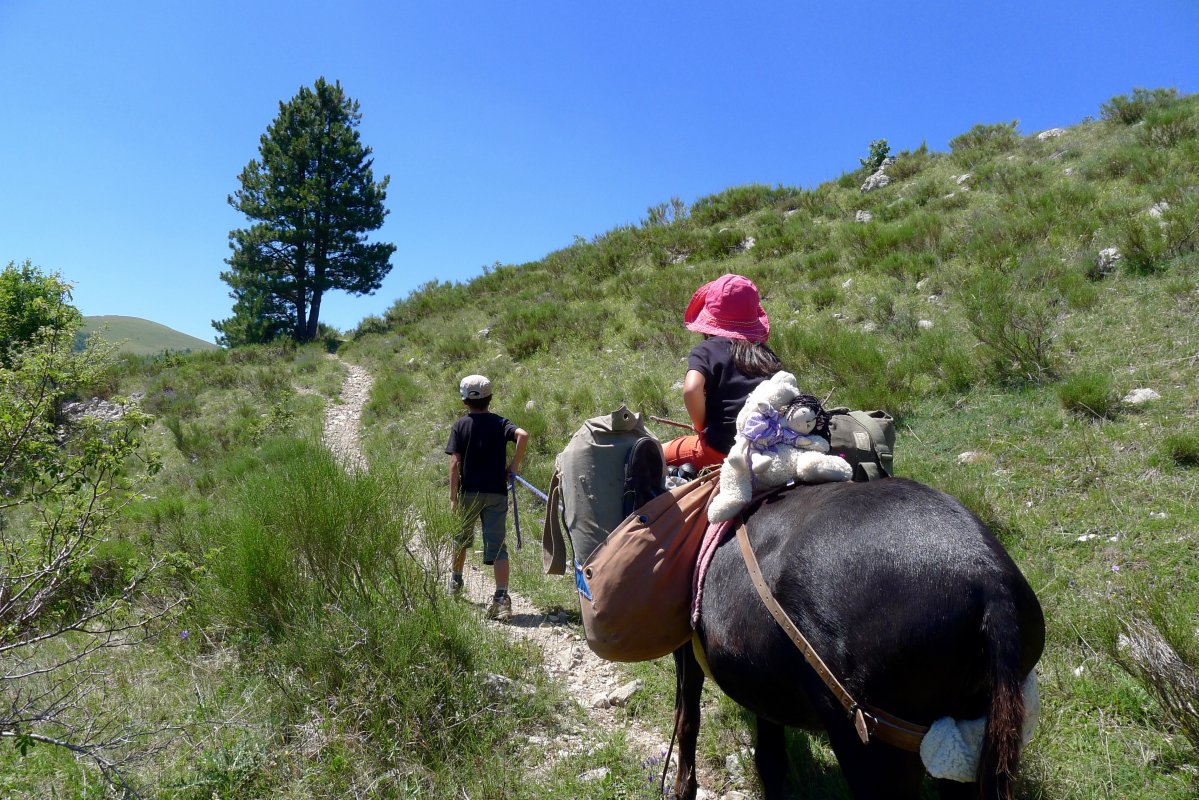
pixel 474 387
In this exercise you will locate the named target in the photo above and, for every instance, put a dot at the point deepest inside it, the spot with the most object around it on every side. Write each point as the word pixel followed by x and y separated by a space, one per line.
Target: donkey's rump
pixel 892 582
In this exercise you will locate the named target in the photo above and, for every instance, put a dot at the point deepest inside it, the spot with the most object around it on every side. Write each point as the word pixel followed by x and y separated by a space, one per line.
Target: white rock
pixel 1105 262
pixel 876 181
pixel 869 327
pixel 925 324
pixel 862 216
pixel 790 212
pixel 1138 396
pixel 600 700
pixel 1157 209
pixel 483 334
pixel 1158 515
pixel 920 284
pixel 1086 537
pixel 888 161
pixel 530 405
pixel 847 284
pixel 411 361
pixel 620 697
pixel 1078 671
pixel 1068 171
pixel 971 457
pixel 734 795
pixel 597 774
pixel 965 176
pixel 748 243
pixel 1052 133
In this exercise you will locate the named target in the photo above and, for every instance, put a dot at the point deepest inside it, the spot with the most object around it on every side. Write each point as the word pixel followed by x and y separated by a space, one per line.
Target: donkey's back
pixel 904 593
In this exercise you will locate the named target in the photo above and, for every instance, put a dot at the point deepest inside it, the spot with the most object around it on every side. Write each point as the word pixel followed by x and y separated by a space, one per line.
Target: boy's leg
pixel 471 509
pixel 495 552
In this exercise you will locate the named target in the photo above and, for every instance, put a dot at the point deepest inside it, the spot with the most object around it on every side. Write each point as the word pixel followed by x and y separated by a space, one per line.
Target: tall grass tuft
pixel 1090 393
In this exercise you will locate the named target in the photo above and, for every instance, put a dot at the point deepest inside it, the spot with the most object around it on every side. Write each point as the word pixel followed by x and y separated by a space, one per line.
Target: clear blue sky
pixel 506 128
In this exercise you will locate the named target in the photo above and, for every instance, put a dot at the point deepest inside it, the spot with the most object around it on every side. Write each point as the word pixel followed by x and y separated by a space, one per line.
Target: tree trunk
pixel 313 316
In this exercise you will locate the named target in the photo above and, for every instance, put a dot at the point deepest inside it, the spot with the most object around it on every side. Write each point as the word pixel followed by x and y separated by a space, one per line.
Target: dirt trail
pixel 594 683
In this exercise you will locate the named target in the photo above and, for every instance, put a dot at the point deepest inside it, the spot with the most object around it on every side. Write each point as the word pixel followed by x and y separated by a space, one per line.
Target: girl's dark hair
pixel 755 359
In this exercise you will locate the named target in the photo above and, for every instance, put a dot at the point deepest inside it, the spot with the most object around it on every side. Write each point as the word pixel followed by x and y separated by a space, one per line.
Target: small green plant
pixel 1182 448
pixel 1129 110
pixel 984 141
pixel 879 151
pixel 1090 393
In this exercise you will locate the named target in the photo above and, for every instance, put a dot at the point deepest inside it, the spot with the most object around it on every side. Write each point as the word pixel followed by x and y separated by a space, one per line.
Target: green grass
pixel 142 337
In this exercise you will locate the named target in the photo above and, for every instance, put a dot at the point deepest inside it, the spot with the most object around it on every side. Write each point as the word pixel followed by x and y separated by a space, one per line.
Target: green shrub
pixel 870 242
pixel 984 141
pixel 1142 246
pixel 851 364
pixel 737 201
pixel 879 150
pixel 1013 321
pixel 721 244
pixel 1166 127
pixel 1089 393
pixel 1130 110
pixel 910 163
pixel 824 294
pixel 1182 448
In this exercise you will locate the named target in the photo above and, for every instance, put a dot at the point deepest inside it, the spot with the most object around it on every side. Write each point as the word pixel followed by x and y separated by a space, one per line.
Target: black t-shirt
pixel 480 439
pixel 725 389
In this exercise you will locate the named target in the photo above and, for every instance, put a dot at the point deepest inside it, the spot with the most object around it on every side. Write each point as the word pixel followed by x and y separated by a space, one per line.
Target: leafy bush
pixel 984 141
pixel 879 150
pixel 1090 393
pixel 1130 110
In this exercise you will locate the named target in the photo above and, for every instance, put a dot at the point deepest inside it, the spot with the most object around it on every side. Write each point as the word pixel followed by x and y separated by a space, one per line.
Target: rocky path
pixel 594 683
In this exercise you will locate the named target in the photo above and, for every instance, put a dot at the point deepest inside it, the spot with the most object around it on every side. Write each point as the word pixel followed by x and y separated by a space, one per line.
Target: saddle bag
pixel 866 439
pixel 635 588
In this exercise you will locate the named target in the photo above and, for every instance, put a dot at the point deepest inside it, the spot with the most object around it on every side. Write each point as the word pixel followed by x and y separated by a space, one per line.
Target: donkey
pixel 912 604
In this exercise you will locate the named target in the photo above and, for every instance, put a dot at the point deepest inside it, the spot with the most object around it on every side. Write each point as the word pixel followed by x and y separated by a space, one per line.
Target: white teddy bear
pixel 775 438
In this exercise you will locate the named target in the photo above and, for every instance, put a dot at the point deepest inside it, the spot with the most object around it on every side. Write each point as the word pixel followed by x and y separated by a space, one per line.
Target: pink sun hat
pixel 728 306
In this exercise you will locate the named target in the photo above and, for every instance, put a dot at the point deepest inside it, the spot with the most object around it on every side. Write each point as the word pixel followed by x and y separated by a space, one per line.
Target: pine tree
pixel 311 200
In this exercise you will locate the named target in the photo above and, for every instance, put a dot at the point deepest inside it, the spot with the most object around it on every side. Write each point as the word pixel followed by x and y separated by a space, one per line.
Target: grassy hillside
pixel 976 305
pixel 142 337
pixel 315 658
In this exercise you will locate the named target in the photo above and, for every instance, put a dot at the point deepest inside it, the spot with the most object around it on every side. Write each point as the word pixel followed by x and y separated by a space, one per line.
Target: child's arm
pixel 694 391
pixel 522 441
pixel 455 477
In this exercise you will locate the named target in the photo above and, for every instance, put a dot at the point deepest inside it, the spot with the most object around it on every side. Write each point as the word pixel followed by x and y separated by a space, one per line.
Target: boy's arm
pixel 455 477
pixel 522 441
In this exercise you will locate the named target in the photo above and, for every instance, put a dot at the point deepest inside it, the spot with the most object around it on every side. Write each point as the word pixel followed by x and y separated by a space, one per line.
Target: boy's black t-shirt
pixel 480 439
pixel 725 389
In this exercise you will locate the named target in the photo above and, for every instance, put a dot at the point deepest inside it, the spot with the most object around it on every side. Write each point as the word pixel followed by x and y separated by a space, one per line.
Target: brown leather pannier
pixel 639 578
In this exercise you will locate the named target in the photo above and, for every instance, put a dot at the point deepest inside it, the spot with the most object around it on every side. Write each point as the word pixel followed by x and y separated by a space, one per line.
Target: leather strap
pixel 867 720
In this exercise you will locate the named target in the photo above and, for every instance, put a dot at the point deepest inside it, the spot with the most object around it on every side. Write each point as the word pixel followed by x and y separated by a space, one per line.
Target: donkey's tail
pixel 1003 738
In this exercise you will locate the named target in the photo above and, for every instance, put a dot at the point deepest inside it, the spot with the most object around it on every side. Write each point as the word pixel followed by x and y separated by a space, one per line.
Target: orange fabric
pixel 640 577
pixel 691 450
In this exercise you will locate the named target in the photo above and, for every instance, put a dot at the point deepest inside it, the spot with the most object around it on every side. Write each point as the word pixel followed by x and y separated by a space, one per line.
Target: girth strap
pixel 867 720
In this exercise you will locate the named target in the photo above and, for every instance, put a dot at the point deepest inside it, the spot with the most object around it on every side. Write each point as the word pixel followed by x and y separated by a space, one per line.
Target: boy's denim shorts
pixel 492 509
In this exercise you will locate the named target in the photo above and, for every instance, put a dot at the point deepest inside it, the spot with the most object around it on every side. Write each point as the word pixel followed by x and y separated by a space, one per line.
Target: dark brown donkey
pixel 912 604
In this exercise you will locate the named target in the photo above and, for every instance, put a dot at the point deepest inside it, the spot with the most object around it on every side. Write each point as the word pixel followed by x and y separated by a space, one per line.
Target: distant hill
pixel 143 337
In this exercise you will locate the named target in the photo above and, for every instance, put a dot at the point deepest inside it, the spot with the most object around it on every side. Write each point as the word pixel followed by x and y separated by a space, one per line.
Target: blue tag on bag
pixel 581 581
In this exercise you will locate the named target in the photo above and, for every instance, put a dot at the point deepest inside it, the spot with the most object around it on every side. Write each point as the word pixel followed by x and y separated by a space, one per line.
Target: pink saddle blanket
pixel 716 535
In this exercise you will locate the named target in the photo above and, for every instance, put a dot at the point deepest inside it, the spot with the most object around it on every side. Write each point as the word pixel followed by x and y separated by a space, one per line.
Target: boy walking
pixel 479 478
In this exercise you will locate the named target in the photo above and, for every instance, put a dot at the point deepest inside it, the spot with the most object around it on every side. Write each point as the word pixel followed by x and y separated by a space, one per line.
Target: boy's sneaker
pixel 454 585
pixel 500 608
